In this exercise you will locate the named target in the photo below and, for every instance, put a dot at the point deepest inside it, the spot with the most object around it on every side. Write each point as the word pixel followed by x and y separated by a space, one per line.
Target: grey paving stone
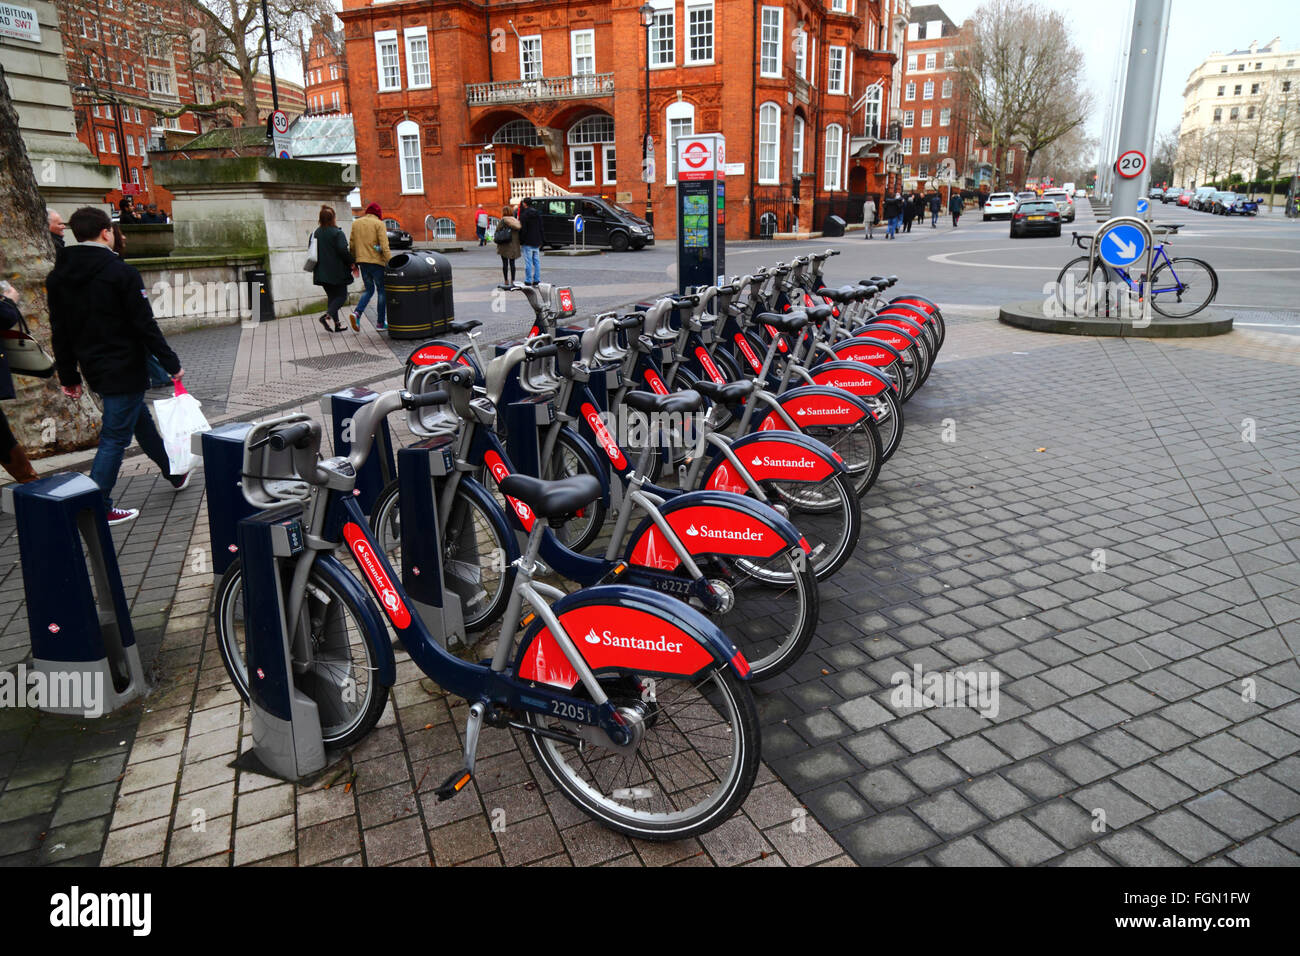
pixel 1231 752
pixel 1117 807
pixel 975 755
pixel 1134 848
pixel 1017 739
pixel 873 748
pixel 1058 726
pixel 1228 815
pixel 886 788
pixel 1151 784
pixel 916 733
pixel 1064 822
pixel 1019 843
pixel 1080 764
pixel 1192 768
pixel 1120 747
pixel 932 772
pixel 1186 835
pixel 863 712
pixel 966 851
pixel 995 797
pixel 1038 779
pixel 947 814
pixel 1158 732
pixel 1264 852
pixel 886 839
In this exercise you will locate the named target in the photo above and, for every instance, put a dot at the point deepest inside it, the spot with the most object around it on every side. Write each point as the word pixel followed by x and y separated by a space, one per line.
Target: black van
pixel 604 224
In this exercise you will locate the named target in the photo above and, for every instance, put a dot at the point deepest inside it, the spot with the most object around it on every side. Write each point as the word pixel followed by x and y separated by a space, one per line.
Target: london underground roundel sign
pixel 696 155
pixel 1131 164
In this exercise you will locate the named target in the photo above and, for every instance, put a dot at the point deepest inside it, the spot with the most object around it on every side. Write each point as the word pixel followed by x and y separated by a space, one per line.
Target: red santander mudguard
pixel 857 378
pixel 712 522
pixel 771 456
pixel 619 628
pixel 435 351
pixel 811 406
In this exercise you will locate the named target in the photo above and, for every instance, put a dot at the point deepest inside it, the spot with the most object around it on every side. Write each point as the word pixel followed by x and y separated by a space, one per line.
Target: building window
pixel 408 139
pixel 130 145
pixel 947 88
pixel 769 58
pixel 926 116
pixel 835 69
pixel 1241 67
pixel 334 71
pixel 135 175
pixel 1224 68
pixel 834 140
pixel 908 119
pixel 927 92
pixel 840 6
pixel 769 139
pixel 663 41
pixel 160 81
pixel 611 165
pixel 914 31
pixel 1236 90
pixel 1234 113
pixel 518 132
pixel 923 170
pixel 390 68
pixel 929 61
pixel 1221 89
pixel 699 33
pixel 924 148
pixel 1218 113
pixel 907 146
pixel 1286 86
pixel 680 122
pixel 444 228
pixel 800 50
pixel 582 52
pixel 1250 112
pixel 943 144
pixel 530 58
pixel 945 117
pixel 1011 162
pixel 1254 89
pixel 596 128
pixel 796 150
pixel 911 63
pixel 582 166
pixel 485 169
pixel 99 140
pixel 910 92
pixel 417 58
pixel 871 111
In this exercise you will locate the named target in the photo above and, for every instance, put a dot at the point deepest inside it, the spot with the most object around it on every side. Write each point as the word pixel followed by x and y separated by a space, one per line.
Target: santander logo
pixel 610 639
pixel 750 357
pixel 374 571
pixel 765 462
pixel 592 637
pixel 603 436
pixel 706 360
pixel 499 471
pixel 655 382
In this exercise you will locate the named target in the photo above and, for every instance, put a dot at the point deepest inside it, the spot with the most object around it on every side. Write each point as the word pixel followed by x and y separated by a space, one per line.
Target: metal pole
pixel 270 56
pixel 649 209
pixel 1146 60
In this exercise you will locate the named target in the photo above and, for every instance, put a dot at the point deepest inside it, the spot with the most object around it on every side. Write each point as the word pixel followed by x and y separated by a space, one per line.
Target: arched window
pixel 444 228
pixel 679 121
pixel 596 128
pixel 769 141
pixel 408 152
pixel 834 142
pixel 518 132
pixel 767 225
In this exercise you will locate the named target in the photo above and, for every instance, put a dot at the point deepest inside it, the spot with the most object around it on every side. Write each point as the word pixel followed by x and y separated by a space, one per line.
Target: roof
pixel 331 134
pixel 932 11
pixel 232 137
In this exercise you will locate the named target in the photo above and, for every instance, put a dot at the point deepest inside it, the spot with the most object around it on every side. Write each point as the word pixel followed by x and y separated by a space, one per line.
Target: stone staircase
pixel 528 187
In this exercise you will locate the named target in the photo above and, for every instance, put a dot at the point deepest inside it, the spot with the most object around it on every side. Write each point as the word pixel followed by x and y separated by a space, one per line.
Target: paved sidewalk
pixel 1147 713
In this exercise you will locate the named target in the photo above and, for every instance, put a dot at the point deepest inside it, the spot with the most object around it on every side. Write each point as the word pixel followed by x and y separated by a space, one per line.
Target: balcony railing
pixel 546 88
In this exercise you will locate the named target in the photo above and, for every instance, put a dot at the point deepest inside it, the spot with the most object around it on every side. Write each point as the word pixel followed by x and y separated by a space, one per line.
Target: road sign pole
pixel 1137 131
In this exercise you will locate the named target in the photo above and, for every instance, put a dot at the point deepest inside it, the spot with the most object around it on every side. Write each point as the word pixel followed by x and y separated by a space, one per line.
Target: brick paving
pixel 1147 713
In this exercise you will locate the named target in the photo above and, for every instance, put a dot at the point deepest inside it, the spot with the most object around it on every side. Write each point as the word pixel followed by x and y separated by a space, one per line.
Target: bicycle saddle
pixel 687 401
pixel 727 393
pixel 550 499
pixel 790 322
pixel 842 294
pixel 819 314
pixel 468 325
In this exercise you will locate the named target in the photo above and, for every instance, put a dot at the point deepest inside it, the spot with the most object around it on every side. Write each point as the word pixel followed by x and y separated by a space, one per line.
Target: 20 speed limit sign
pixel 1131 164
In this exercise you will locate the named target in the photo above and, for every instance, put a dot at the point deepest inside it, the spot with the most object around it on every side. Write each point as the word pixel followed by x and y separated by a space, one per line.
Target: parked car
pixel 1064 204
pixel 1186 198
pixel 398 238
pixel 604 223
pixel 1155 192
pixel 999 205
pixel 1201 198
pixel 1172 194
pixel 1036 217
pixel 1027 196
pixel 1230 204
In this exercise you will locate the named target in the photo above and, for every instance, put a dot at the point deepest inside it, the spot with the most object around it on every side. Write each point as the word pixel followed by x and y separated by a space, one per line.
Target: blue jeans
pixel 125 416
pixel 532 263
pixel 891 225
pixel 373 276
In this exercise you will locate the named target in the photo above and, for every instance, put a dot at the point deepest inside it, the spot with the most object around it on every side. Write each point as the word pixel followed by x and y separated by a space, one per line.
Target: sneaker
pixel 381 327
pixel 180 482
pixel 122 515
pixel 356 326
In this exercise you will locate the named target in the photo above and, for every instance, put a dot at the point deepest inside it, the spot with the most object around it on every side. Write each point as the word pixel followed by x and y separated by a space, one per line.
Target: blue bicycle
pixel 1179 287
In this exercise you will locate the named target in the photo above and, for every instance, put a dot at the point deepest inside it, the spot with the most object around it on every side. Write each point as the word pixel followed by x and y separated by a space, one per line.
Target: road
pixel 975 264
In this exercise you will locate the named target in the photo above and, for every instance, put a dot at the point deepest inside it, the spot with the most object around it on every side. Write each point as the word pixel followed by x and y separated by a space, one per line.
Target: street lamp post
pixel 112 102
pixel 647 20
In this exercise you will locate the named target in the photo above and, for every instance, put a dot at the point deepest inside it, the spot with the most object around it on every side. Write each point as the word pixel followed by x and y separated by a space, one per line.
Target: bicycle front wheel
pixel 579 531
pixel 690 768
pixel 1183 287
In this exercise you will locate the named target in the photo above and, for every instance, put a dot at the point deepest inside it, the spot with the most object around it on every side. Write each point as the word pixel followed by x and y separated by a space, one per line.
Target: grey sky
pixel 1197 29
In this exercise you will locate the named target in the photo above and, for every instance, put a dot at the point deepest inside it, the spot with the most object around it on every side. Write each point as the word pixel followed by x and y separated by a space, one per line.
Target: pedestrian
pixel 955 207
pixel 368 245
pixel 126 211
pixel 868 215
pixel 530 241
pixel 894 214
pixel 508 227
pixel 909 211
pixel 57 226
pixel 481 224
pixel 151 217
pixel 103 329
pixel 935 203
pixel 13 457
pixel 333 271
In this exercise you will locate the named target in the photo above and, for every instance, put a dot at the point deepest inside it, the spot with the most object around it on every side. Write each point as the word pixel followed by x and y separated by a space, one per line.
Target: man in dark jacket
pixel 57 226
pixel 530 241
pixel 935 203
pixel 104 330
pixel 955 206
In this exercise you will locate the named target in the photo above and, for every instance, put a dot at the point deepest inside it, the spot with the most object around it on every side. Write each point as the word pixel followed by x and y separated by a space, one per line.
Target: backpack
pixel 503 234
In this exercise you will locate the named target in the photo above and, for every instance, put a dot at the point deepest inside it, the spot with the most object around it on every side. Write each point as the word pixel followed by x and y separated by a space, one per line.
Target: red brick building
pixel 936 121
pixel 458 102
pixel 325 69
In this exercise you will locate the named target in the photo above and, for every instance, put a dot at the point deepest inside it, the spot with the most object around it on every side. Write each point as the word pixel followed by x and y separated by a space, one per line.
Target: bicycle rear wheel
pixel 691 767
pixel 1183 287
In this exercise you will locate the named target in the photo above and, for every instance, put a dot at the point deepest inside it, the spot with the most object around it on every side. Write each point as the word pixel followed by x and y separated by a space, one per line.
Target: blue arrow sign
pixel 1143 205
pixel 1122 245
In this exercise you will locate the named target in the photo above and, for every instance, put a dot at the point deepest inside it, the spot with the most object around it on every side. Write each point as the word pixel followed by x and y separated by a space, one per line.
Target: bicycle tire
pixel 335 673
pixel 468 567
pixel 1158 297
pixel 1076 281
pixel 606 785
pixel 831 533
pixel 567 461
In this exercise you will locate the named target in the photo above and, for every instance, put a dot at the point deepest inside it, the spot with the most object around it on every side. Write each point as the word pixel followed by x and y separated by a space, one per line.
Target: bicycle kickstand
pixel 458 780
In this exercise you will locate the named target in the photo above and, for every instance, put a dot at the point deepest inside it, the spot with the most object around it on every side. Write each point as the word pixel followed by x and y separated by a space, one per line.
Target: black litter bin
pixel 417 286
pixel 832 226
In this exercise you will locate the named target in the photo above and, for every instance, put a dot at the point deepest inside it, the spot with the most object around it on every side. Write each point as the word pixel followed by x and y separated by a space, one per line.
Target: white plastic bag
pixel 179 418
pixel 310 264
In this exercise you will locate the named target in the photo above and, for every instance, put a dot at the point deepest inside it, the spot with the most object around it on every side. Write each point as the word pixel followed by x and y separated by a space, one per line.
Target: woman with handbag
pixel 506 238
pixel 332 268
pixel 12 456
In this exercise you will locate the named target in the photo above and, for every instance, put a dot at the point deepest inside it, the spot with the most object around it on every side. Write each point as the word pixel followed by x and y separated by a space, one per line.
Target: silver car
pixel 1064 204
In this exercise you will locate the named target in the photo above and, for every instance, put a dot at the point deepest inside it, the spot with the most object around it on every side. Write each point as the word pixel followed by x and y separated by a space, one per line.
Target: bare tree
pixel 1281 133
pixel 1165 157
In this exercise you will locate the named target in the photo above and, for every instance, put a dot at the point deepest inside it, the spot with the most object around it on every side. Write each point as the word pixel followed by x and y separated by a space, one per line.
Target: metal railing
pixel 544 88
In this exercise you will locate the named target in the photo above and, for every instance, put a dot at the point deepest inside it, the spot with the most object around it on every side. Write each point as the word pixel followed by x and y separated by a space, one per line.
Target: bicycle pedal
pixel 453 785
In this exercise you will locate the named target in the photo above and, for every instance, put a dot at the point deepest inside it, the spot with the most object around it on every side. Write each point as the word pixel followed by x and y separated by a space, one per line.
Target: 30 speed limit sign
pixel 1131 164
